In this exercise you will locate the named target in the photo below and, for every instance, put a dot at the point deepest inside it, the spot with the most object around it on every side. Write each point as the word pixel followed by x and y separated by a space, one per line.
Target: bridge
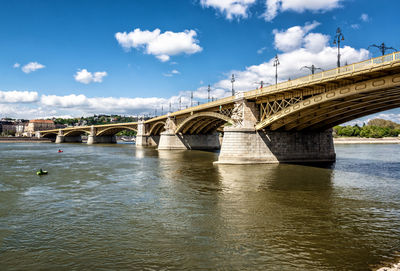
pixel 287 122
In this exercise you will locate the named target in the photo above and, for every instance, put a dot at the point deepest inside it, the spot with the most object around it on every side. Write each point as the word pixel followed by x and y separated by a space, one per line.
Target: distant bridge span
pixel 286 122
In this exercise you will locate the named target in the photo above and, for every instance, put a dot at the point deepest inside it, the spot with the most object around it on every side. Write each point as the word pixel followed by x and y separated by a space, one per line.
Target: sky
pixel 77 58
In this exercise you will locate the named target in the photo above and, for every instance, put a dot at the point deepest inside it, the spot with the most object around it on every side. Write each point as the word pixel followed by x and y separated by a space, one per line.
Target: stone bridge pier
pixel 93 138
pixel 61 138
pixel 243 144
pixel 170 140
pixel 143 138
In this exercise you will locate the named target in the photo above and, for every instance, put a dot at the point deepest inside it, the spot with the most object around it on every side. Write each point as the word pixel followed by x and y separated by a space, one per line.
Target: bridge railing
pixel 329 74
pixel 195 108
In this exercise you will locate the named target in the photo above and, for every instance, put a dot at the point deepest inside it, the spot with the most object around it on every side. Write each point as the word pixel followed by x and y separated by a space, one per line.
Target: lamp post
pixel 339 37
pixel 382 47
pixel 233 81
pixel 191 99
pixel 180 103
pixel 276 63
pixel 312 68
pixel 261 83
pixel 208 90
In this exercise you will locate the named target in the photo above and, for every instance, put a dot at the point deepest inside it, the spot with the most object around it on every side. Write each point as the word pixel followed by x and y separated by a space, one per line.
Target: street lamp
pixel 382 47
pixel 276 63
pixel 209 90
pixel 312 68
pixel 233 81
pixel 191 99
pixel 339 37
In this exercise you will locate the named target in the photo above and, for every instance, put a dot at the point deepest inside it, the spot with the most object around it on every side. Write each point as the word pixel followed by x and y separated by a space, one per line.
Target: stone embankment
pixel 361 140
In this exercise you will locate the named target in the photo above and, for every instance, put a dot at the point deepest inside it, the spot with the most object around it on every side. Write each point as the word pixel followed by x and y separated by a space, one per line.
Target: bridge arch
pixel 48 134
pixel 157 128
pixel 202 123
pixel 114 130
pixel 76 132
pixel 337 106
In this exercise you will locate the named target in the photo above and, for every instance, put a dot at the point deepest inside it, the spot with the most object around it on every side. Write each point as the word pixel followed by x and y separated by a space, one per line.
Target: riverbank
pixel 337 140
pixel 361 140
pixel 23 139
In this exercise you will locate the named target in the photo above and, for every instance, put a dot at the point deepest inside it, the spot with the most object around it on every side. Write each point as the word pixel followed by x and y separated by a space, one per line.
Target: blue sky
pixel 78 58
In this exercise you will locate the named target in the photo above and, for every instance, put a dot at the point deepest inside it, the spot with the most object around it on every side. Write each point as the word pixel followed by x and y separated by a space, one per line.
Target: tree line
pixel 376 128
pixel 99 119
pixel 95 120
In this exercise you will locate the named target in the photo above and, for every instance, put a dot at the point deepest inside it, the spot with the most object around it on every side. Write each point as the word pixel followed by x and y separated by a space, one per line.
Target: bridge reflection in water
pixel 281 214
pixel 286 122
pixel 124 207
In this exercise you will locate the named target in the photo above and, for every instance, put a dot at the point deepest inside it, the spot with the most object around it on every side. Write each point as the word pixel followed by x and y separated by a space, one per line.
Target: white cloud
pixel 293 37
pixel 299 47
pixel 261 50
pixel 355 26
pixel 16 96
pixel 392 115
pixel 161 45
pixel 31 67
pixel 309 48
pixel 273 7
pixel 202 93
pixel 364 17
pixel 16 65
pixel 171 73
pixel 97 105
pixel 230 8
pixel 86 77
pixel 315 42
pixel 81 105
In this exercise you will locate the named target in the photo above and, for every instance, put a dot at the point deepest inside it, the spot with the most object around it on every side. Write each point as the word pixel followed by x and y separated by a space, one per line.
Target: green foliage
pixel 99 119
pixel 127 133
pixel 7 133
pixel 384 123
pixel 347 130
pixel 376 128
pixel 95 120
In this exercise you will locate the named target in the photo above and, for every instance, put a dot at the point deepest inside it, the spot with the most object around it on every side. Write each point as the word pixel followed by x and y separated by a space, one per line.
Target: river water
pixel 118 207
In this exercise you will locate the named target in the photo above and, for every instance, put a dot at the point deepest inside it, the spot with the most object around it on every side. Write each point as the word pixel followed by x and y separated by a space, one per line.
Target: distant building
pixel 7 127
pixel 38 125
pixel 20 128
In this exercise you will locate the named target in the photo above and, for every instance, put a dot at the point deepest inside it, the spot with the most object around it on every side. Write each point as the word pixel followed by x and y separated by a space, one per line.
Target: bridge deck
pixel 349 74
